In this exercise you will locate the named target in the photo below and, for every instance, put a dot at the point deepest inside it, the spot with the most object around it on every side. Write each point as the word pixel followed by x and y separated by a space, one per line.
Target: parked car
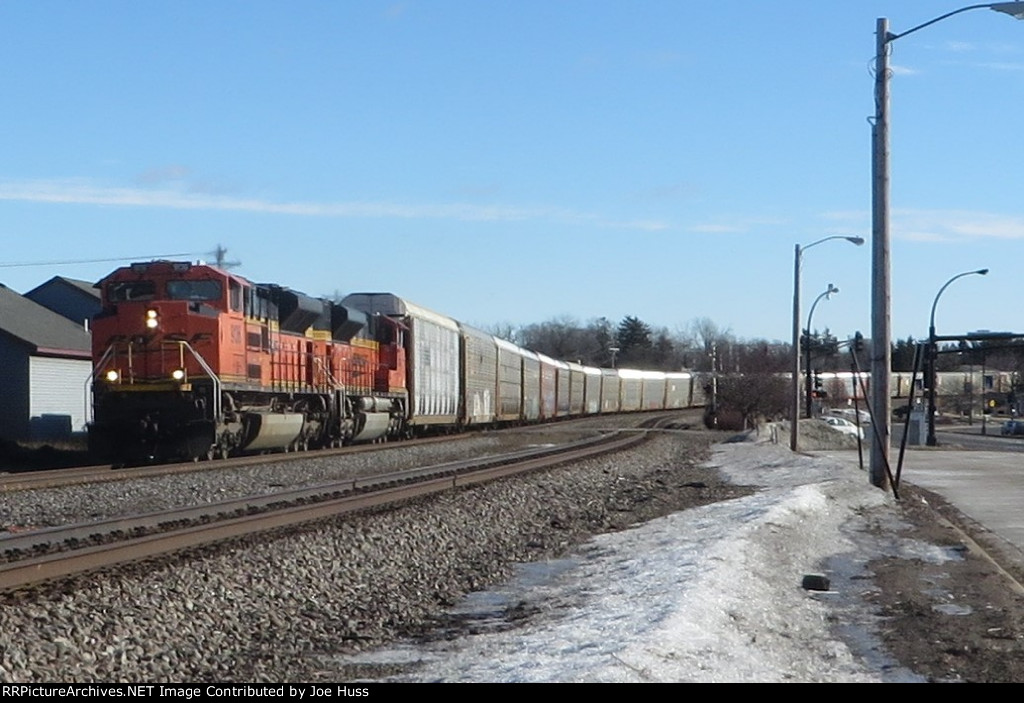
pixel 851 415
pixel 1012 427
pixel 844 426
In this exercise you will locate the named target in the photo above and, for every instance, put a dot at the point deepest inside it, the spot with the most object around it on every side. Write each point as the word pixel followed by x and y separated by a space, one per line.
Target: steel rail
pixel 425 481
pixel 56 478
pixel 46 538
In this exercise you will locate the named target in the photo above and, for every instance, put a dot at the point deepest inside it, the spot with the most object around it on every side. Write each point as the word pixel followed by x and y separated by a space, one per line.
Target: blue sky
pixel 515 162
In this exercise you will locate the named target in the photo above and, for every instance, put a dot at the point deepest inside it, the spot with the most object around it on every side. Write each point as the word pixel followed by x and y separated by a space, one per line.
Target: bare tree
pixel 743 399
pixel 503 330
pixel 562 338
pixel 714 346
pixel 758 391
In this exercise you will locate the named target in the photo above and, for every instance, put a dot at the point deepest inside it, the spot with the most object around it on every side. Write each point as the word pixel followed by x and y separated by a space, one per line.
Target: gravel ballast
pixel 269 608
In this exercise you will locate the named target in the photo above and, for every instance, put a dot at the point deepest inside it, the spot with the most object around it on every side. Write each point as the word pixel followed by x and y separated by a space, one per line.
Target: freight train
pixel 965 392
pixel 191 361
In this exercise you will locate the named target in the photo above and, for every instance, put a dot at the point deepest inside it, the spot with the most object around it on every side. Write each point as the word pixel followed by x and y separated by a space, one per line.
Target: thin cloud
pixel 960 46
pixel 955 225
pixel 939 225
pixel 82 193
pixel 912 235
pixel 898 70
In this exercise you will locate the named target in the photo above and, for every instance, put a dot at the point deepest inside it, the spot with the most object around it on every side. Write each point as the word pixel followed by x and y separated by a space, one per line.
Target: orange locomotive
pixel 193 362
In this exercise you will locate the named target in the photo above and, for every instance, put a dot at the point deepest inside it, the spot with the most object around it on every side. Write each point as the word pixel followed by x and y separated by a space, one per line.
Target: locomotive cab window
pixel 195 290
pixel 128 291
pixel 235 295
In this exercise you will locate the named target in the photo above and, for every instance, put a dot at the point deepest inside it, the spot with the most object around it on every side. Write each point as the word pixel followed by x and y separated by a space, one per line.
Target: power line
pixel 101 261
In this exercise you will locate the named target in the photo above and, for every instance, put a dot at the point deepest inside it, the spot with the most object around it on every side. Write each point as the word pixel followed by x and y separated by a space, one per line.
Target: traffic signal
pixel 858 342
pixel 818 392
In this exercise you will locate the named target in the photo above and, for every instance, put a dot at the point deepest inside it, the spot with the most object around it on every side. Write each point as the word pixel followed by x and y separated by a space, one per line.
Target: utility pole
pixel 220 254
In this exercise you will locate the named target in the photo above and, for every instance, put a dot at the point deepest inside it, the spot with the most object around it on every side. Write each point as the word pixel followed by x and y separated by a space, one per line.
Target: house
pixel 76 300
pixel 45 364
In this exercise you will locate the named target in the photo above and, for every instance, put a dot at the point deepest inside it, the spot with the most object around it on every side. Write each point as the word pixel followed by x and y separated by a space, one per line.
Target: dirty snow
pixel 705 595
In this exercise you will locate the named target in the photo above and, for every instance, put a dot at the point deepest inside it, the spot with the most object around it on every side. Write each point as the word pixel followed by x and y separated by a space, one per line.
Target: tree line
pixel 632 343
pixel 701 345
pixel 751 375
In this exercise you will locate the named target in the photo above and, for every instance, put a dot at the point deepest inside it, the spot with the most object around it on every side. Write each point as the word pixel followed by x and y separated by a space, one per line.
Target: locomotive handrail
pixel 327 372
pixel 209 372
pixel 92 380
pixel 99 364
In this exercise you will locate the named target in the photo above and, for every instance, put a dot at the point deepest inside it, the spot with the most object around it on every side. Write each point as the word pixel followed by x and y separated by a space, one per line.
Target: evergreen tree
pixel 634 341
pixel 903 354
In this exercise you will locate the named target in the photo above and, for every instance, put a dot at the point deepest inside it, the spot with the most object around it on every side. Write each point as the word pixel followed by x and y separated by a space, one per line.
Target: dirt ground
pixel 961 620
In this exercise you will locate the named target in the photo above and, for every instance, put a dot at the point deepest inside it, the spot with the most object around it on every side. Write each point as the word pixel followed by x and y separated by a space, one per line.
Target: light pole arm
pixel 931 439
pixel 825 294
pixel 853 240
pixel 1014 9
pixel 931 319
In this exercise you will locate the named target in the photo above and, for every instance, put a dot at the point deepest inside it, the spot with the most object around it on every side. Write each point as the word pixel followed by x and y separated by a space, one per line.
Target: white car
pixel 851 415
pixel 844 426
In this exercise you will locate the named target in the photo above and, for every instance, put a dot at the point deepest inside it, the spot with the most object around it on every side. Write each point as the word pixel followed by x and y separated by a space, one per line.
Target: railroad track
pixel 52 553
pixel 56 478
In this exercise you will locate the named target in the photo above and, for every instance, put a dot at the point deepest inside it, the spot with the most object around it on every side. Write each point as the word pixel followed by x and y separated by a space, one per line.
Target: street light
pixel 807 340
pixel 794 410
pixel 881 353
pixel 933 354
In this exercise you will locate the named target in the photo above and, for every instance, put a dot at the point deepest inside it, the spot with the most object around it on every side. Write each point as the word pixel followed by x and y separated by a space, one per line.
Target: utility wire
pixel 102 261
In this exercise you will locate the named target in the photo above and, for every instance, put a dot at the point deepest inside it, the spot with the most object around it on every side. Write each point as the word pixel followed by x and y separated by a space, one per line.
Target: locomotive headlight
pixel 178 374
pixel 112 376
pixel 152 319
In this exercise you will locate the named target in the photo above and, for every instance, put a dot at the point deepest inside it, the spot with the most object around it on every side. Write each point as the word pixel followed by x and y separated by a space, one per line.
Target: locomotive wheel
pixel 216 451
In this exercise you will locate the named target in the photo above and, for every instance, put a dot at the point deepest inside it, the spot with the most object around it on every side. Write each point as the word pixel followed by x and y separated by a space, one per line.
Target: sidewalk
pixel 986 486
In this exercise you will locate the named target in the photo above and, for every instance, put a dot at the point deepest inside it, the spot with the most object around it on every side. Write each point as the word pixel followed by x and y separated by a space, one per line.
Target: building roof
pixel 44 331
pixel 86 287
